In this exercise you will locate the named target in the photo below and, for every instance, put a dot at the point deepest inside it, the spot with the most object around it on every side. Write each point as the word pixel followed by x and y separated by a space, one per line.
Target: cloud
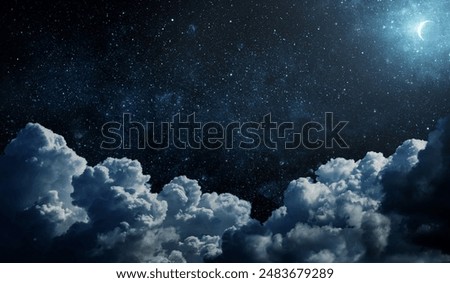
pixel 35 163
pixel 325 220
pixel 418 199
pixel 133 224
pixel 54 207
pixel 190 210
pixel 36 172
pixel 342 215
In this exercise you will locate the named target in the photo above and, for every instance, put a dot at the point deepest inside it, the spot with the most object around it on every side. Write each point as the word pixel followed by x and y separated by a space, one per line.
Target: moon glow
pixel 420 29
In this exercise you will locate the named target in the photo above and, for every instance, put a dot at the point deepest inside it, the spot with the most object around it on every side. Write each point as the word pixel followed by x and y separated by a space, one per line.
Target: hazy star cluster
pixel 417 31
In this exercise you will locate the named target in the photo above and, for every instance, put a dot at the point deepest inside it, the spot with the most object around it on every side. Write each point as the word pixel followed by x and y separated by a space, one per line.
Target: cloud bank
pixel 54 207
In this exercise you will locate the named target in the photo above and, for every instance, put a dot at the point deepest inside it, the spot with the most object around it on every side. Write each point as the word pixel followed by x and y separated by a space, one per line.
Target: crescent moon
pixel 420 28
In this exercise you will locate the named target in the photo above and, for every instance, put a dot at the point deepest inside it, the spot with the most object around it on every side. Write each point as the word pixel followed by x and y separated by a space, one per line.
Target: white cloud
pixel 129 219
pixel 336 217
pixel 354 210
pixel 36 173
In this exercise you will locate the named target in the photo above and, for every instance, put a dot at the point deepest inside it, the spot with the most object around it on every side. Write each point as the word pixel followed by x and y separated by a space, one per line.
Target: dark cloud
pixel 56 208
pixel 357 211
pixel 420 198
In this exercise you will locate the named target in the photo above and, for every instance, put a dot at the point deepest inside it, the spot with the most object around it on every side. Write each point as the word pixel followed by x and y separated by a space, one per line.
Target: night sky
pixel 73 66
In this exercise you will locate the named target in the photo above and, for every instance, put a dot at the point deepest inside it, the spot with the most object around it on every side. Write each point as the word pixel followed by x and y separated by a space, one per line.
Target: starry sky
pixel 74 65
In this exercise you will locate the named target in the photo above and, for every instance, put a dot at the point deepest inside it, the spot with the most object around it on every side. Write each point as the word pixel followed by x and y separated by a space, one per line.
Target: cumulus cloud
pixel 325 220
pixel 134 224
pixel 38 167
pixel 342 215
pixel 54 207
pixel 36 172
pixel 190 210
pixel 419 199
